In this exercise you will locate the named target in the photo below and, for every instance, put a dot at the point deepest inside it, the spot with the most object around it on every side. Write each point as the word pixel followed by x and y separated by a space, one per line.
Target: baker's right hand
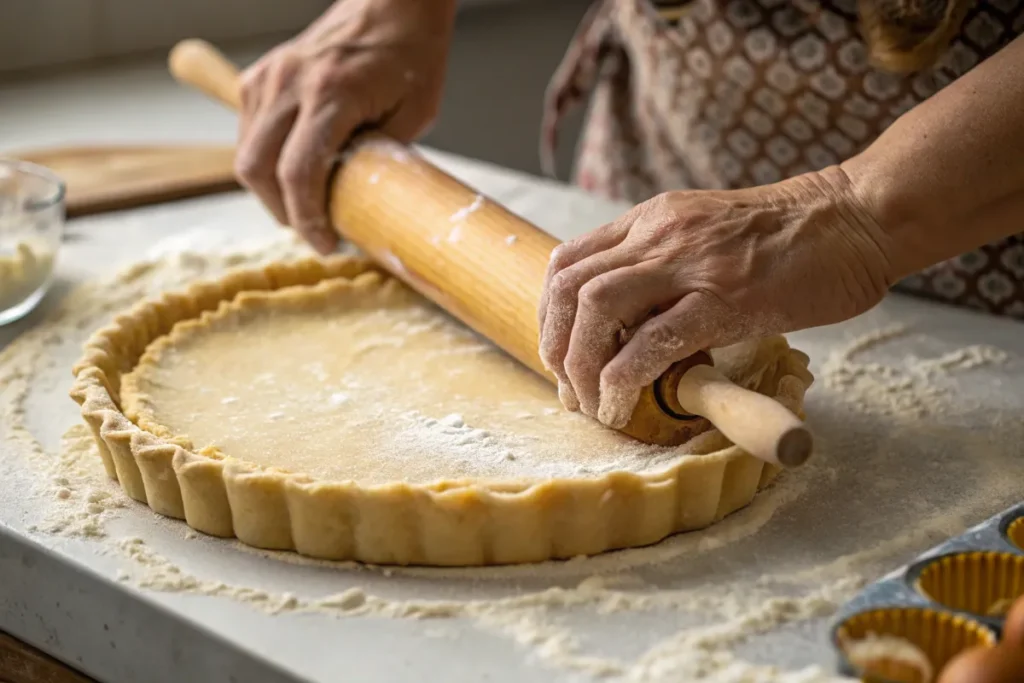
pixel 364 63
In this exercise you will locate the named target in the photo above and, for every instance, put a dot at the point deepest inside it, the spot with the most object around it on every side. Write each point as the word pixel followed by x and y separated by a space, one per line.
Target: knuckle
pixel 597 294
pixel 658 335
pixel 562 285
pixel 652 209
pixel 561 256
pixel 291 172
pixel 573 366
pixel 276 70
pixel 322 82
pixel 248 168
pixel 614 375
pixel 251 80
pixel 285 60
pixel 660 202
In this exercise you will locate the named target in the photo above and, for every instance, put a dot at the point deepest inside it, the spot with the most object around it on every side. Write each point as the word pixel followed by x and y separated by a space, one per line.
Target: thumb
pixel 698 321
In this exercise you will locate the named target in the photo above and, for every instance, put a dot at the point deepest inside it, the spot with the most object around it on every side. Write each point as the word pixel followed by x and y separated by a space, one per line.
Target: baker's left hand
pixel 691 270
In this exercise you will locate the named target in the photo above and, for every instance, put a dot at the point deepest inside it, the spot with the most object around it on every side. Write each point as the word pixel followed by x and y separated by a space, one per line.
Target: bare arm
pixel 948 176
pixel 718 267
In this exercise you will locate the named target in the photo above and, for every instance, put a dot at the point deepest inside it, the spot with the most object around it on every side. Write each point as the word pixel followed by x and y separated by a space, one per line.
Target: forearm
pixel 948 176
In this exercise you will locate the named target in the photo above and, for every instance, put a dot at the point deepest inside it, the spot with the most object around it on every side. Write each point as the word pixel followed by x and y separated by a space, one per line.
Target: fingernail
pixel 568 397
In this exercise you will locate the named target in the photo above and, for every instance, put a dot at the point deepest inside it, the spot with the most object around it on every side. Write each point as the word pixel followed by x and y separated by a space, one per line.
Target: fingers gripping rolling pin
pixel 486 266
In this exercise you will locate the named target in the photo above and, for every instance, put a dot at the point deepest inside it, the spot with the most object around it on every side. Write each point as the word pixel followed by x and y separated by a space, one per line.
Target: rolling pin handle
pixel 196 63
pixel 666 387
pixel 756 423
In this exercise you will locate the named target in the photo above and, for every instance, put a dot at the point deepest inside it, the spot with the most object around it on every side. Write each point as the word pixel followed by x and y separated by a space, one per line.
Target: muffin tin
pixel 905 627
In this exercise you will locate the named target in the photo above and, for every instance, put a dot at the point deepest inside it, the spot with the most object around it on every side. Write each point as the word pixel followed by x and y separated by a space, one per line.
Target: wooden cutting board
pixel 115 177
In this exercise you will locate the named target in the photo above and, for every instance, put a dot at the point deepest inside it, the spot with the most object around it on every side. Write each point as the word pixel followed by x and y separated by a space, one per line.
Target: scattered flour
pixel 700 653
pixel 909 390
pixel 511 239
pixel 80 501
pixel 967 358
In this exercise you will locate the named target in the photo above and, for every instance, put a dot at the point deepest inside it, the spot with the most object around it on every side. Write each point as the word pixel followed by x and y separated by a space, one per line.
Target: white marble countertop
pixel 755 591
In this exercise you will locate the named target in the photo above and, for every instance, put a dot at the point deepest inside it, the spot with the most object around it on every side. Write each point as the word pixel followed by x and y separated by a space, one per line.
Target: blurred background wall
pixel 502 57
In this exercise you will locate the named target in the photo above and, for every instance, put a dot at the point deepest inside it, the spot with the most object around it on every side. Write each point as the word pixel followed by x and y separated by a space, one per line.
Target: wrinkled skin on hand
pixel 703 269
pixel 375 63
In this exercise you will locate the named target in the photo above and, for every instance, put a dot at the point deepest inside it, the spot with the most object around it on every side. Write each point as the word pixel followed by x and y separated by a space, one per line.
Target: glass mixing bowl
pixel 31 228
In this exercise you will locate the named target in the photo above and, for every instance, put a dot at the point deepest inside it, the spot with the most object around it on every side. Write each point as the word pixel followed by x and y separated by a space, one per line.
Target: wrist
pixel 833 221
pixel 899 215
pixel 929 212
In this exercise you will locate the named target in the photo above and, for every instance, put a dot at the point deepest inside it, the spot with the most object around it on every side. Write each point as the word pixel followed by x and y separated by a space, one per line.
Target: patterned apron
pixel 719 94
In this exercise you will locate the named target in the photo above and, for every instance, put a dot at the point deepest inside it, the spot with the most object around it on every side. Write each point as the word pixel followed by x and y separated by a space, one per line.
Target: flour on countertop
pixel 80 501
pixel 967 358
pixel 87 499
pixel 906 390
pixel 696 654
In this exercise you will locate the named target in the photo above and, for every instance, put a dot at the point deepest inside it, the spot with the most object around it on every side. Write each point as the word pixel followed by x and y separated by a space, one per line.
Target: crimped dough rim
pixel 455 522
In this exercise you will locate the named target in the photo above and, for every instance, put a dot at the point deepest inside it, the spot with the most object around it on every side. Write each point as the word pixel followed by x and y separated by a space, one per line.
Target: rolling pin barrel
pixel 486 266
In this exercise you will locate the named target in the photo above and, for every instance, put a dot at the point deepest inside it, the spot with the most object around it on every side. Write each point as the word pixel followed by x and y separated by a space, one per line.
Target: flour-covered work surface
pixel 916 410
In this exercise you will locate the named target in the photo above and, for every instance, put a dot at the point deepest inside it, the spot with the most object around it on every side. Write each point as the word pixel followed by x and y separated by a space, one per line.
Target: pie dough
pixel 323 407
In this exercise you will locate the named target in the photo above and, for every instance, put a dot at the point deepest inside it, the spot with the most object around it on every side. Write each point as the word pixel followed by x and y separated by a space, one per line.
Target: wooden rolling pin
pixel 486 266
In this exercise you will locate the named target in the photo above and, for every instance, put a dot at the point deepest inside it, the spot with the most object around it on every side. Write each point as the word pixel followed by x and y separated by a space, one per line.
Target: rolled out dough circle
pixel 335 412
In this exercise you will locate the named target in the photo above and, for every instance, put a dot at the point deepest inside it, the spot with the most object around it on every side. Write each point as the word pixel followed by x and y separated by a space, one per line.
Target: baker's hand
pixel 699 269
pixel 376 63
